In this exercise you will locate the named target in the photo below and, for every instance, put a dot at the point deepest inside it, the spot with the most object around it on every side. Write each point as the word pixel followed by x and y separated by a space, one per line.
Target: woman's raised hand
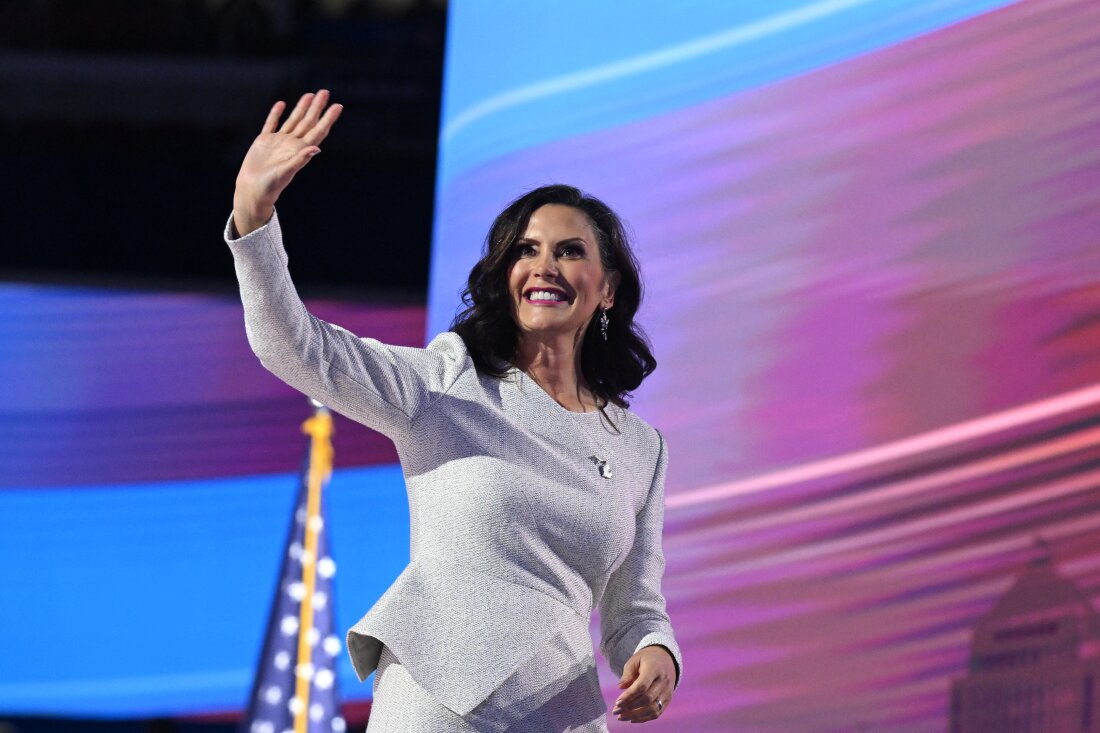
pixel 277 154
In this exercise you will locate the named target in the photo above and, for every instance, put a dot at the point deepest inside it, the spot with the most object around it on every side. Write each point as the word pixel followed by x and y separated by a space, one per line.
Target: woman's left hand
pixel 648 677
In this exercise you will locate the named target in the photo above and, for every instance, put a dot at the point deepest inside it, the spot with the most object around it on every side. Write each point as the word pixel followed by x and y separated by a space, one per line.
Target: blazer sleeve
pixel 632 608
pixel 382 386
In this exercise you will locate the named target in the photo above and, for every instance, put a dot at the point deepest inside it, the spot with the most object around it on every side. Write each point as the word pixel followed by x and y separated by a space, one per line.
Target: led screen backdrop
pixel 870 238
pixel 148 465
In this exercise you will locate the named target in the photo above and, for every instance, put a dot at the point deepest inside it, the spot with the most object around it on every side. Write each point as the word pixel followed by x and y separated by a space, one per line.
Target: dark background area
pixel 123 124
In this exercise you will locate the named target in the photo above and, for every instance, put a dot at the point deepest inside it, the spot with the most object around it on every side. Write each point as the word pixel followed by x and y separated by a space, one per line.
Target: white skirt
pixel 557 691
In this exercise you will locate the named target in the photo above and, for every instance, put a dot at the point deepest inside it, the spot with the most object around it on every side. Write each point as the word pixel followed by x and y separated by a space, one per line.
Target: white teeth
pixel 545 295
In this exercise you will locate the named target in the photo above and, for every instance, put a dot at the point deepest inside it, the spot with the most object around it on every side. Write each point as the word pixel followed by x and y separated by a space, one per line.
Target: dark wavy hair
pixel 612 368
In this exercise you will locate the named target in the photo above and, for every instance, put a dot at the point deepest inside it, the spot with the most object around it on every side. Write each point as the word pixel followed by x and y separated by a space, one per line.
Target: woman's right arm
pixel 381 386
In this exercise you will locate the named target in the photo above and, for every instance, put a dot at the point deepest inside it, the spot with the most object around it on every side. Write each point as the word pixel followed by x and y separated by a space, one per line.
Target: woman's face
pixel 556 279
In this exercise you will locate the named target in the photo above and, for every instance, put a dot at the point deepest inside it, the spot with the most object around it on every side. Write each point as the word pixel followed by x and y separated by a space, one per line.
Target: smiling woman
pixel 556 239
pixel 535 495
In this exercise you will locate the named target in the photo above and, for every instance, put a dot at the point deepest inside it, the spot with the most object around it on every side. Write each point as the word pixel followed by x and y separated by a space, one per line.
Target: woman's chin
pixel 547 327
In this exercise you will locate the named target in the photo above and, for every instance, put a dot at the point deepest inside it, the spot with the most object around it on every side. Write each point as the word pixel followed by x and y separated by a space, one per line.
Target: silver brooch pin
pixel 603 465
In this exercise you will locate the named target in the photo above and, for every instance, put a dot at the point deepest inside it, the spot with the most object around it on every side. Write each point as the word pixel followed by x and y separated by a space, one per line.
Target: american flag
pixel 295 687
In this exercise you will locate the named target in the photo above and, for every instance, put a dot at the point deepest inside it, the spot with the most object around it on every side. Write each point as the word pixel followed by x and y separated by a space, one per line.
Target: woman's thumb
pixel 630 672
pixel 303 156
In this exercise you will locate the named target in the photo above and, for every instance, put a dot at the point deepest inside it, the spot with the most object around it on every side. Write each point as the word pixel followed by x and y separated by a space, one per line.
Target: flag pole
pixel 295 684
pixel 319 428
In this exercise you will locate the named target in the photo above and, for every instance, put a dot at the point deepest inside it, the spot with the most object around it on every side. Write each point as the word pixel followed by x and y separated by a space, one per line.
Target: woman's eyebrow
pixel 570 240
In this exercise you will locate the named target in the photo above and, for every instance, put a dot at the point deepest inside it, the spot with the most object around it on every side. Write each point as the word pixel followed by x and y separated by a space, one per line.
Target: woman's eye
pixel 572 250
pixel 525 250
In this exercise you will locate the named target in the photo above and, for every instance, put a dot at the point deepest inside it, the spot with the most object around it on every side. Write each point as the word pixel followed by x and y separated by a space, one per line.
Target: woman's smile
pixel 546 297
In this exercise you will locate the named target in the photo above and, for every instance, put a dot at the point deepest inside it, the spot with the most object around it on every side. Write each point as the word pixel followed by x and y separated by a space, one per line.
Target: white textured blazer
pixel 516 531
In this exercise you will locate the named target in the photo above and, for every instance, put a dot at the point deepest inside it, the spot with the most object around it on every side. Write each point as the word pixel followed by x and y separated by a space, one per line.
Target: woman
pixel 535 496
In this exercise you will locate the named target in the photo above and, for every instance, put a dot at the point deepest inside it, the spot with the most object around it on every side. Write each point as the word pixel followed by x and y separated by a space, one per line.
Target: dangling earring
pixel 604 320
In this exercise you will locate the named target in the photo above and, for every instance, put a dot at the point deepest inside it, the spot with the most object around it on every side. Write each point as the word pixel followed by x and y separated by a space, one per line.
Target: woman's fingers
pixel 273 116
pixel 320 130
pixel 630 697
pixel 298 113
pixel 641 704
pixel 313 113
pixel 309 120
pixel 642 692
pixel 642 713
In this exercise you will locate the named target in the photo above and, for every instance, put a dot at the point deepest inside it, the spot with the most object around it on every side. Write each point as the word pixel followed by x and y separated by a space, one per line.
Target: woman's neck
pixel 556 367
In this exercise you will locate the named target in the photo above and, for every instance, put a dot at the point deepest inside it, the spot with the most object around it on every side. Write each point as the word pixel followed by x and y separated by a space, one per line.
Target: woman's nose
pixel 548 264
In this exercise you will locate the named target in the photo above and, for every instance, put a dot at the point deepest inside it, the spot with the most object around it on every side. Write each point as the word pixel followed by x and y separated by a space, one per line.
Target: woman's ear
pixel 612 285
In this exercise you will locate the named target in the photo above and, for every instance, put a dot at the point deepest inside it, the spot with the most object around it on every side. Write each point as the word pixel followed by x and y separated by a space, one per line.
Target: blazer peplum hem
pixel 460 632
